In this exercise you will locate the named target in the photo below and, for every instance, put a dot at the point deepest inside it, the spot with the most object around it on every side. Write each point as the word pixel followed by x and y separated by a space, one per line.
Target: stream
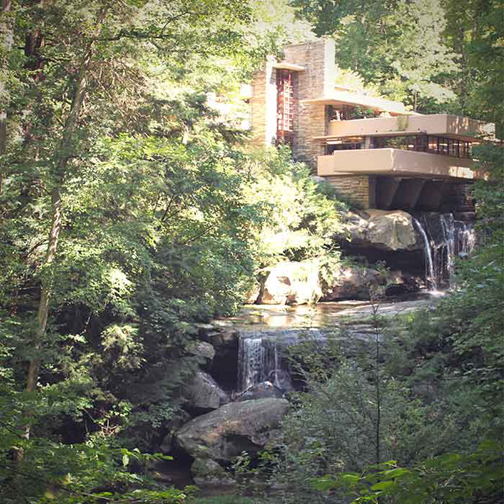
pixel 266 330
pixel 250 360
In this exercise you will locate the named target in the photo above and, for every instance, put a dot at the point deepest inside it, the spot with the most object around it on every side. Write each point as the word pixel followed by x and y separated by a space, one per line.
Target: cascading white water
pixel 430 277
pixel 444 239
pixel 437 242
pixel 448 227
pixel 251 362
pixel 258 361
pixel 277 367
pixel 260 356
pixel 466 238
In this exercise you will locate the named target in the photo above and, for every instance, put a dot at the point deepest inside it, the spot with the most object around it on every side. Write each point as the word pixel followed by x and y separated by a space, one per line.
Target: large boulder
pixel 207 472
pixel 353 283
pixel 203 350
pixel 384 230
pixel 292 283
pixel 224 433
pixel 347 282
pixel 203 394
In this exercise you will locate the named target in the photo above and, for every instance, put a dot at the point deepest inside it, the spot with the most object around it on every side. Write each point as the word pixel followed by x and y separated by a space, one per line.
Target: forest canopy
pixel 131 210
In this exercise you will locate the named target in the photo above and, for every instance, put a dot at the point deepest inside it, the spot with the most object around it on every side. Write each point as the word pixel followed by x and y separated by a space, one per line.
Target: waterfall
pixel 430 277
pixel 465 238
pixel 251 362
pixel 448 227
pixel 260 356
pixel 258 361
pixel 444 239
pixel 277 367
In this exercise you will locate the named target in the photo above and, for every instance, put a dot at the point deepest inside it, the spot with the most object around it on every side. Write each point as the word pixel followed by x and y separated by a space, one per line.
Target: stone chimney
pixel 312 65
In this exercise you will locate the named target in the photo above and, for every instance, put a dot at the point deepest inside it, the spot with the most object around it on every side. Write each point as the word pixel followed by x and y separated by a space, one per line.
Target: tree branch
pixel 134 34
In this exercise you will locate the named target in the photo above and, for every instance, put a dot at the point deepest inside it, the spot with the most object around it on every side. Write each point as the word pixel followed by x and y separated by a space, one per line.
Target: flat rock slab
pixel 260 318
pixel 387 309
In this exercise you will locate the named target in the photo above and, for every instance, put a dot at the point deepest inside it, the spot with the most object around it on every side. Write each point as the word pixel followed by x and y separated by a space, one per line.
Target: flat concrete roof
pixel 340 97
pixel 289 66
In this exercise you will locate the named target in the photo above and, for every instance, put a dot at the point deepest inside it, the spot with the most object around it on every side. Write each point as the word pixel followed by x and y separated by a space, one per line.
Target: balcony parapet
pixel 437 124
pixel 338 97
pixel 396 162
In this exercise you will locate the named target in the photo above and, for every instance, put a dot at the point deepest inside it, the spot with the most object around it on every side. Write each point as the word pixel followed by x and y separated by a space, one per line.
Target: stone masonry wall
pixel 258 109
pixel 263 106
pixel 315 81
pixel 318 59
pixel 360 189
pixel 461 195
pixel 311 122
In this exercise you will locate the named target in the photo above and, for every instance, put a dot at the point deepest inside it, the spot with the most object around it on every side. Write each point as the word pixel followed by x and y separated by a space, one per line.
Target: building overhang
pixel 396 163
pixel 288 66
pixel 338 98
pixel 444 125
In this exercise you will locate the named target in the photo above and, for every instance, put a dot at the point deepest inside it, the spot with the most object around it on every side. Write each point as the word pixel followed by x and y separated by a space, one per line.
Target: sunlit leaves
pixel 397 45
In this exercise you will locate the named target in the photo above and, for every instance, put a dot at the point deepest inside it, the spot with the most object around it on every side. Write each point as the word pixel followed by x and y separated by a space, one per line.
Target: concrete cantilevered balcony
pixel 395 163
pixel 437 124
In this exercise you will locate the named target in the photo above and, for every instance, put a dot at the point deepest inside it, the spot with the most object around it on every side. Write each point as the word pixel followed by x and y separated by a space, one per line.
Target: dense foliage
pixel 435 55
pixel 122 222
pixel 130 212
pixel 397 45
pixel 302 215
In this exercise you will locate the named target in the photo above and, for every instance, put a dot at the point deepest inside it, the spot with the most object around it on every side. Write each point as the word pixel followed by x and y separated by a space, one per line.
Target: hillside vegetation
pixel 131 210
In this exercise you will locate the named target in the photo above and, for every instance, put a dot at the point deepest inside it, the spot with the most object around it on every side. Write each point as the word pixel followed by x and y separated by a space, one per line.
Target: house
pixel 372 150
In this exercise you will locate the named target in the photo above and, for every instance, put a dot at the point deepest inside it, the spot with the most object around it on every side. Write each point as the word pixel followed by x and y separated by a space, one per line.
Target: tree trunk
pixel 5 45
pixel 43 308
pixel 62 155
pixel 64 152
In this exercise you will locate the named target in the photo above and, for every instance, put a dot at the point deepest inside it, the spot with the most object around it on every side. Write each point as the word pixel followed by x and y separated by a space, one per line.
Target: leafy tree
pixel 122 219
pixel 473 32
pixel 397 45
pixel 448 478
pixel 125 220
pixel 302 215
pixel 109 32
pixel 5 46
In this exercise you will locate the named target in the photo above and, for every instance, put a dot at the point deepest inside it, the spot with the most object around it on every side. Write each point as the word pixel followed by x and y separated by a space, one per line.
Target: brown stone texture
pixel 310 120
pixel 316 81
pixel 360 190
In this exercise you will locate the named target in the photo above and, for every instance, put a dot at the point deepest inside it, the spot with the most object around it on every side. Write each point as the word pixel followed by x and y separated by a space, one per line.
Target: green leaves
pixel 450 478
pixel 300 216
pixel 154 229
pixel 396 45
